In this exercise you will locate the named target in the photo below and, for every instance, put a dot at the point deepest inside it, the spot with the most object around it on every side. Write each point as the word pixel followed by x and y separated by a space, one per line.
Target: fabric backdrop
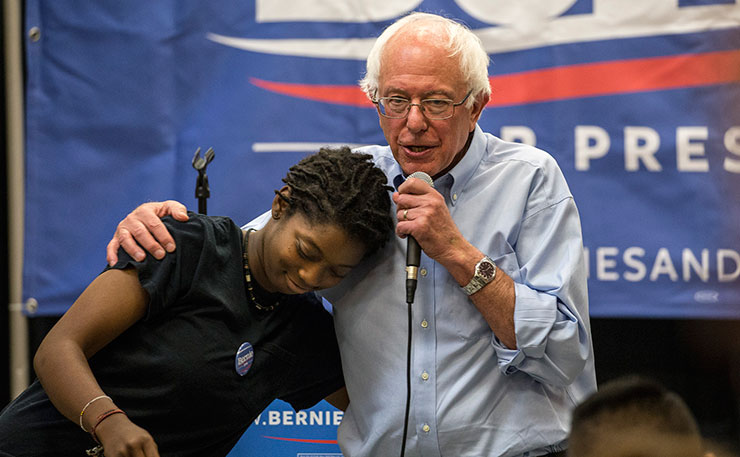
pixel 639 102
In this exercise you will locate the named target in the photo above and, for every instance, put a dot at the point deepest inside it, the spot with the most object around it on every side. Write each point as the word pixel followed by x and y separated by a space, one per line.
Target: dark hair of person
pixel 664 409
pixel 634 416
pixel 338 186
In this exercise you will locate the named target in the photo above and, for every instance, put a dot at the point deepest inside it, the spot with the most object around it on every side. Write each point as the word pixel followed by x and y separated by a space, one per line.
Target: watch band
pixel 485 272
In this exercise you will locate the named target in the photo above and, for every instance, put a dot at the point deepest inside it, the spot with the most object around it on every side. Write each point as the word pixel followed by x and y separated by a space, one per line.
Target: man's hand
pixel 422 213
pixel 136 230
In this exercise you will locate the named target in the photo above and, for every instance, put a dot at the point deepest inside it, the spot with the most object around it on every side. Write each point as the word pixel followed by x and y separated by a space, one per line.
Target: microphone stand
pixel 202 191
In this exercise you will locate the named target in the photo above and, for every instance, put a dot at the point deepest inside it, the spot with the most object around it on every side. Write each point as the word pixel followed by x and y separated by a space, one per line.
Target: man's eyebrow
pixel 429 93
pixel 391 90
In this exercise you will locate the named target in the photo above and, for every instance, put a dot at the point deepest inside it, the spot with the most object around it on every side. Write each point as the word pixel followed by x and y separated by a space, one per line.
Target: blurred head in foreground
pixel 634 417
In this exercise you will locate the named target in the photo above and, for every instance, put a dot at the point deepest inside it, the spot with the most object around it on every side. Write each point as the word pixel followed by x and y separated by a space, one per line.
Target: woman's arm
pixel 339 399
pixel 112 303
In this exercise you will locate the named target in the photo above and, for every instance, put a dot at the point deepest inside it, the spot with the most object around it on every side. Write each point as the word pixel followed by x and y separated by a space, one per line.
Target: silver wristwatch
pixel 485 272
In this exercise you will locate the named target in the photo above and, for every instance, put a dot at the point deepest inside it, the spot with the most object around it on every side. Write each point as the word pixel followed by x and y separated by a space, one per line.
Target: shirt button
pixel 423 271
pixel 454 196
pixel 424 324
pixel 425 376
pixel 426 428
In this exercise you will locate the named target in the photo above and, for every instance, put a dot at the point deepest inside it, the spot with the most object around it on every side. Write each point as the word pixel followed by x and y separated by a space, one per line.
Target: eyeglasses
pixel 433 108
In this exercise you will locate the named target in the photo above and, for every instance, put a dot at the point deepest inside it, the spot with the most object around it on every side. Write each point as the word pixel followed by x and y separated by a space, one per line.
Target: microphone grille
pixel 423 176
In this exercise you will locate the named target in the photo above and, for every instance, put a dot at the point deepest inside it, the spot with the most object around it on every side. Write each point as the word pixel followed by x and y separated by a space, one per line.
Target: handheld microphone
pixel 413 250
pixel 413 258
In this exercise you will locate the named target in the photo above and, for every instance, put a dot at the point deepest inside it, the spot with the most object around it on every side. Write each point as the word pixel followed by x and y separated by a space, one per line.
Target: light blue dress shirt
pixel 471 395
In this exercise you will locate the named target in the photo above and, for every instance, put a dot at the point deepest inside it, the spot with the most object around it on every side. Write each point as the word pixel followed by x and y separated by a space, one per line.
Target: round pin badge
pixel 244 358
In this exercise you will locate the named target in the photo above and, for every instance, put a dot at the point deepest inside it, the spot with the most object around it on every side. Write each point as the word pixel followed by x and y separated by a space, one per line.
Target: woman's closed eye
pixel 337 274
pixel 301 251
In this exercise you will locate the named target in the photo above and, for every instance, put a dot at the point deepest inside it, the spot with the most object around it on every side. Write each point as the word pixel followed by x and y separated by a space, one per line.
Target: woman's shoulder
pixel 202 227
pixel 200 220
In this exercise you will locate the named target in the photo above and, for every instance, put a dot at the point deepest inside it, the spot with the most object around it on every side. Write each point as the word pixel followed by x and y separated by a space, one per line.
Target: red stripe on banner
pixel 616 77
pixel 566 82
pixel 340 95
pixel 300 440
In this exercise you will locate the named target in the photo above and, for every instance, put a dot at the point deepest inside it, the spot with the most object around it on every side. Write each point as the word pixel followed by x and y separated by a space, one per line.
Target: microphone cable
pixel 408 382
pixel 413 259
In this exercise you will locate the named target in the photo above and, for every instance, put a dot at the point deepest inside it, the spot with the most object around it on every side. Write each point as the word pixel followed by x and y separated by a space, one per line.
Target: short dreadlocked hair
pixel 338 186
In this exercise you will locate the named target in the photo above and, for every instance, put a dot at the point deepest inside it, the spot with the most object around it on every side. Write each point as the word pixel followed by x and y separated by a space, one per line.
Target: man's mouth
pixel 417 149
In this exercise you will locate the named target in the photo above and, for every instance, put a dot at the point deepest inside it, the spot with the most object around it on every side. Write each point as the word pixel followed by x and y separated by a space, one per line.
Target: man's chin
pixel 411 165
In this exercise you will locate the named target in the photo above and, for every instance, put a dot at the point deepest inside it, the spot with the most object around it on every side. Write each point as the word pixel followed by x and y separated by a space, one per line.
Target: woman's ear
pixel 280 202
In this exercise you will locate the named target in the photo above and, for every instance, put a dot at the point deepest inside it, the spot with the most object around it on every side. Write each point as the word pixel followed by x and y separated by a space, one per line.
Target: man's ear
pixel 480 103
pixel 280 204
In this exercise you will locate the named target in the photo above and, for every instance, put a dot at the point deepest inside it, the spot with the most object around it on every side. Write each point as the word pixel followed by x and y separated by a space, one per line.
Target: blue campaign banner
pixel 281 431
pixel 638 101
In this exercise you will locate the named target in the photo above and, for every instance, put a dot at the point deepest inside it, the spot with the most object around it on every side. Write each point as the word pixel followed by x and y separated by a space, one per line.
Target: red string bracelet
pixel 103 417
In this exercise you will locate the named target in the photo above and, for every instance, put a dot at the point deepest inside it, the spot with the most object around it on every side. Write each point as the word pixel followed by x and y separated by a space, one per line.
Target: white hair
pixel 461 41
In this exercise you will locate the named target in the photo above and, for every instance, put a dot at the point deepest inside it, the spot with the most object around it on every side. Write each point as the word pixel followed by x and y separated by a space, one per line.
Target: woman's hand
pixel 136 230
pixel 122 438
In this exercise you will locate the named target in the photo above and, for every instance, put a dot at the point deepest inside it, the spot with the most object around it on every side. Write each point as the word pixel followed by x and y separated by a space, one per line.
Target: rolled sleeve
pixel 552 344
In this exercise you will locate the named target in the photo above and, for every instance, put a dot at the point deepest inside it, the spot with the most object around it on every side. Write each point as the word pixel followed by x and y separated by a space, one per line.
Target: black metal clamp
pixel 202 191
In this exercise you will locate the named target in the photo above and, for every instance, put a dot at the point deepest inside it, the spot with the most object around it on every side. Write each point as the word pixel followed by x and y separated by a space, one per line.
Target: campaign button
pixel 244 358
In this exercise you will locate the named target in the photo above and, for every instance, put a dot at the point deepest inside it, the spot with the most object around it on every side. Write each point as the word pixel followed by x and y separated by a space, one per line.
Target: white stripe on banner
pixel 298 147
pixel 517 25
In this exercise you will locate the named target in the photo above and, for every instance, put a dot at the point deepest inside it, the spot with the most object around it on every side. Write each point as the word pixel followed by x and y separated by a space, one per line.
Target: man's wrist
pixel 485 272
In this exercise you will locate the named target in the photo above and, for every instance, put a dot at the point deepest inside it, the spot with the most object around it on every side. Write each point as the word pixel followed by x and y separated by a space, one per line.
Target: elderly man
pixel 501 345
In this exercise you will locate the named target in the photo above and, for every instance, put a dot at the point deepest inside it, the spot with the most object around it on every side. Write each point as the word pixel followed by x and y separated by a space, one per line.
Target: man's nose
pixel 416 121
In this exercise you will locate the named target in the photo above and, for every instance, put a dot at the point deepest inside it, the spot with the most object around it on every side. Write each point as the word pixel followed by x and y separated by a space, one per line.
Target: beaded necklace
pixel 248 277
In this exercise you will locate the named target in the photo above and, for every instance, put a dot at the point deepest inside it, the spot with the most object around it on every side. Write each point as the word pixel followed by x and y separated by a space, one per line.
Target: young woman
pixel 177 357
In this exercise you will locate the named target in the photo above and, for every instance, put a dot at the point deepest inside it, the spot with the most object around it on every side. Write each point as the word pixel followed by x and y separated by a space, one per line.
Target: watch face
pixel 486 269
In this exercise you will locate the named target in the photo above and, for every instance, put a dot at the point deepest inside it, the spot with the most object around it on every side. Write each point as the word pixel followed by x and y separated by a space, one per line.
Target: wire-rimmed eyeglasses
pixel 432 108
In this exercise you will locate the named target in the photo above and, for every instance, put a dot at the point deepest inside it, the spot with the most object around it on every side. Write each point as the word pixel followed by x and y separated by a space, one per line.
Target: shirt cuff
pixel 534 315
